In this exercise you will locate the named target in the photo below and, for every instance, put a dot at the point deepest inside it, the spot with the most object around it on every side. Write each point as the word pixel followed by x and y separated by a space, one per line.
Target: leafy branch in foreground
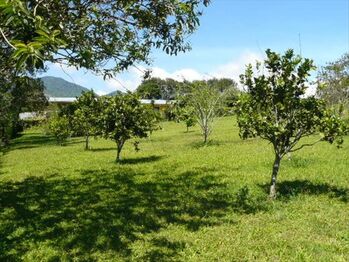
pixel 103 36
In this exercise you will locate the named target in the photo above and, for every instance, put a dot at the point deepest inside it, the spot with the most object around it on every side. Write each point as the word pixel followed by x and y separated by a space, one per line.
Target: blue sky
pixel 235 32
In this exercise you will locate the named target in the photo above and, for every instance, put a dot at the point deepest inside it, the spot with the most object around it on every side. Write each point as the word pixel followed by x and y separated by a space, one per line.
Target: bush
pixel 59 128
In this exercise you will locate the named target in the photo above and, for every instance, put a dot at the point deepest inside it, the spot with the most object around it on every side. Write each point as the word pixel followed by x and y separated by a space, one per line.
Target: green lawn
pixel 175 200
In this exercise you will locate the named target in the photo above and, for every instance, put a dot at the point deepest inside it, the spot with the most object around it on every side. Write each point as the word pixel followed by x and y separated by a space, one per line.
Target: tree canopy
pixel 104 36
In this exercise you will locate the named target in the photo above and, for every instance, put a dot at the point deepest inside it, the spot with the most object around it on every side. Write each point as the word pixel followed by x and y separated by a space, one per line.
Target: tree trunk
pixel 87 142
pixel 206 132
pixel 120 144
pixel 275 172
pixel 187 129
pixel 118 158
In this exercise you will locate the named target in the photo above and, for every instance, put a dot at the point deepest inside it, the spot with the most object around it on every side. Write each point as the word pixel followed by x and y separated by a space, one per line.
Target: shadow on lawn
pixel 31 140
pixel 201 144
pixel 34 140
pixel 100 149
pixel 289 189
pixel 140 160
pixel 105 211
pixel 163 250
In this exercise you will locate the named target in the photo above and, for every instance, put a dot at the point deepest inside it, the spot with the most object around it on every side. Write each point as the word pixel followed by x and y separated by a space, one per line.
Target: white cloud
pixel 133 78
pixel 236 67
pixel 232 70
pixel 121 84
pixel 179 75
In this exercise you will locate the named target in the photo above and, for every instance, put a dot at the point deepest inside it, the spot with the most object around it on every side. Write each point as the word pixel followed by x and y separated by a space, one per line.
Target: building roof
pixel 143 101
pixel 62 99
pixel 156 101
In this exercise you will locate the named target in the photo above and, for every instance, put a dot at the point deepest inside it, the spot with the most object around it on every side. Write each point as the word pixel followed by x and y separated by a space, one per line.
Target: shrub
pixel 59 128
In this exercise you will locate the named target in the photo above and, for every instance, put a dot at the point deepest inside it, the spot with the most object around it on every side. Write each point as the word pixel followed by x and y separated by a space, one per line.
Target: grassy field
pixel 175 200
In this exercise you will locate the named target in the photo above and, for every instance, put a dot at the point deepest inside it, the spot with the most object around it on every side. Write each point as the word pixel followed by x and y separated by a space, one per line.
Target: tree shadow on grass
pixel 140 160
pixel 102 149
pixel 162 249
pixel 105 211
pixel 188 132
pixel 201 144
pixel 34 140
pixel 288 189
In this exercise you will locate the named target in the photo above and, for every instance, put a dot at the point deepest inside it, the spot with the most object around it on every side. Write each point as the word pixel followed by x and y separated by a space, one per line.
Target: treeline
pixel 170 89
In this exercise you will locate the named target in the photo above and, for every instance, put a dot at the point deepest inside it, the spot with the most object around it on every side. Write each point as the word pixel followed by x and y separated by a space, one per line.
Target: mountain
pixel 58 87
pixel 115 93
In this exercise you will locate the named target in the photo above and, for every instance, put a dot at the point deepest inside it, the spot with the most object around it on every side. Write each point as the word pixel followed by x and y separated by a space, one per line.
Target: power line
pixel 300 44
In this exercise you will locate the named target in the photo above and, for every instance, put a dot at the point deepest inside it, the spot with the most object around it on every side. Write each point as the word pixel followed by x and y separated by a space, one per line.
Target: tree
pixel 222 84
pixel 5 117
pixel 206 102
pixel 59 127
pixel 86 117
pixel 169 89
pixel 334 84
pixel 275 107
pixel 187 115
pixel 184 112
pixel 6 76
pixel 18 94
pixel 125 117
pixel 27 95
pixel 150 88
pixel 230 88
pixel 156 88
pixel 95 34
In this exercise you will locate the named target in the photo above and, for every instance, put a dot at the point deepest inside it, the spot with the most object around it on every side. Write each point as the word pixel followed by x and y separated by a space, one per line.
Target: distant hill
pixel 58 87
pixel 115 93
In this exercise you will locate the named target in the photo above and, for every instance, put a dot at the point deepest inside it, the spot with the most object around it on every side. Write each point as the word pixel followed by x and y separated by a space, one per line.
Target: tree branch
pixel 304 145
pixel 6 40
pixel 36 7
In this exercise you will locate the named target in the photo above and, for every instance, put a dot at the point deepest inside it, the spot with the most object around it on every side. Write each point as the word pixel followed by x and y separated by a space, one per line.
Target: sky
pixel 233 33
